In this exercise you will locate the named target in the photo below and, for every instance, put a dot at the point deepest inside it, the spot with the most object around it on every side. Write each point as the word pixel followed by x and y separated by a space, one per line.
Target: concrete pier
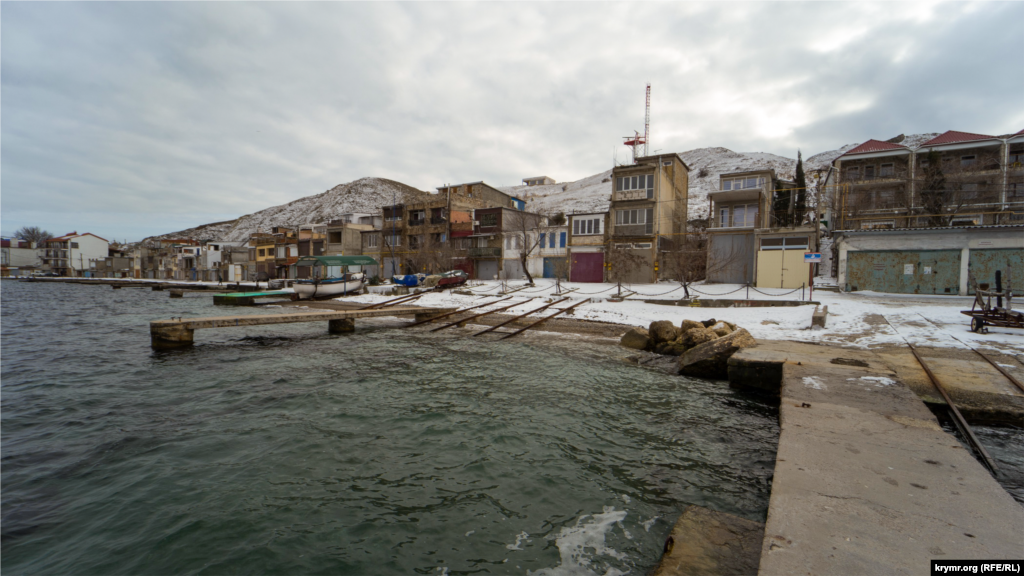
pixel 169 334
pixel 866 481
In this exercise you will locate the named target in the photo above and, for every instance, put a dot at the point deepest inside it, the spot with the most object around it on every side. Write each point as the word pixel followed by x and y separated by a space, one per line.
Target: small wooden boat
pixel 317 287
pixel 328 278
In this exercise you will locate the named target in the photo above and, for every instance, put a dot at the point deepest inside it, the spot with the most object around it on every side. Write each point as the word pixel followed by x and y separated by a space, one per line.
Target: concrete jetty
pixel 178 333
pixel 866 481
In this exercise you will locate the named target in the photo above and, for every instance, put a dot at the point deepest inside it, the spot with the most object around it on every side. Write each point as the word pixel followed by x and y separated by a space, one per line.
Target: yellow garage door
pixel 781 269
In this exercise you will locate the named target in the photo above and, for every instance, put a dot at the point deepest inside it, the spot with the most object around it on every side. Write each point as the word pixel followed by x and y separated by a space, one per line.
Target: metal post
pixel 802 290
pixel 999 288
pixel 748 290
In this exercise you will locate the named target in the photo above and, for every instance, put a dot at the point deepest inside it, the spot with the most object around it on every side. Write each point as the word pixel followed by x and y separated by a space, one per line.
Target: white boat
pixel 317 287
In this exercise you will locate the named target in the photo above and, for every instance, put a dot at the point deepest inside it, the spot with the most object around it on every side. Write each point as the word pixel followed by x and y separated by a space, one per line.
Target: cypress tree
pixel 801 191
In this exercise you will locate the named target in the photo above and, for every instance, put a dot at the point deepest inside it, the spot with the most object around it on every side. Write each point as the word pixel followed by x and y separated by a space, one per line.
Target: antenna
pixel 637 142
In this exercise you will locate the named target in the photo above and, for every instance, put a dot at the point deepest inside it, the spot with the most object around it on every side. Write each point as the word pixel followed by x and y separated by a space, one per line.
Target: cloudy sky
pixel 132 119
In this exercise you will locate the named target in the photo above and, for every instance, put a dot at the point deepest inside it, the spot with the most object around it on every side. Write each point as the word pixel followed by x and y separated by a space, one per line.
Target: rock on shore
pixel 704 347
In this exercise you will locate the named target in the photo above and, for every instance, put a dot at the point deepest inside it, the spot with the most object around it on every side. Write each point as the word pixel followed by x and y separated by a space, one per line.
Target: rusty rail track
pixel 545 319
pixel 436 318
pixel 958 418
pixel 995 365
pixel 475 316
pixel 514 318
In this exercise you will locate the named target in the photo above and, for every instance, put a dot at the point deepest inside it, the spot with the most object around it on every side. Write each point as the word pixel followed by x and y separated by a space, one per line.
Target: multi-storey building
pixel 18 257
pixel 756 234
pixel 70 254
pixel 648 214
pixel 929 219
pixel 586 251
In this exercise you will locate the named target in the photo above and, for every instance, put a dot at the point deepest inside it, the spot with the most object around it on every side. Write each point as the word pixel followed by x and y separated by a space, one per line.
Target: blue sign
pixel 812 257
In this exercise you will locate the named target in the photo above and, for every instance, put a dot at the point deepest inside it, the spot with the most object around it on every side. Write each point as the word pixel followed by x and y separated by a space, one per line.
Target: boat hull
pixel 309 290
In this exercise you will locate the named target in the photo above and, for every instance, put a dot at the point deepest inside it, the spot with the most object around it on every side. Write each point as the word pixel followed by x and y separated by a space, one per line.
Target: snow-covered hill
pixel 586 195
pixel 364 195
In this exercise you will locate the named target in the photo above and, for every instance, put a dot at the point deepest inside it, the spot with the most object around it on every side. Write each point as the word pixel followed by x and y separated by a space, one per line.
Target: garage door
pixel 904 271
pixel 984 263
pixel 587 267
pixel 552 266
pixel 486 269
pixel 781 269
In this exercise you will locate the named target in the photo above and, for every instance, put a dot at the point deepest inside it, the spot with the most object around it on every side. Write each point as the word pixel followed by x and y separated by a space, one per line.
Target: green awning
pixel 336 261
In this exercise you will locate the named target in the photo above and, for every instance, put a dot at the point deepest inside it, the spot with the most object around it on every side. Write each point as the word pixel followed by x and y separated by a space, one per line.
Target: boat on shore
pixel 329 277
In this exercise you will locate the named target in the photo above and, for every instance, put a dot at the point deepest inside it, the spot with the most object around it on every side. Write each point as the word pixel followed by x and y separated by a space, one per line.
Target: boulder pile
pixel 703 347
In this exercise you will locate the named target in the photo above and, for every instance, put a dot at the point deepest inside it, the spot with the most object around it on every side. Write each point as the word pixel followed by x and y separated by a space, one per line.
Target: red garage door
pixel 587 267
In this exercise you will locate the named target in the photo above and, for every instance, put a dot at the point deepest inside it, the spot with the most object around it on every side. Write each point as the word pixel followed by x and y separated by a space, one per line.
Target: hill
pixel 586 195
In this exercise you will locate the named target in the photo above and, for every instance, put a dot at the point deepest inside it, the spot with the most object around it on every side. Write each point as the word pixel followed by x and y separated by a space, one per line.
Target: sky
pixel 130 119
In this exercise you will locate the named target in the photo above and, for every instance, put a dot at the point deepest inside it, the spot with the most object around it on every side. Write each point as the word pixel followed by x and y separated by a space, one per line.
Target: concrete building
pixel 588 234
pixel 927 220
pixel 70 254
pixel 538 180
pixel 648 211
pixel 551 259
pixel 19 257
pixel 755 235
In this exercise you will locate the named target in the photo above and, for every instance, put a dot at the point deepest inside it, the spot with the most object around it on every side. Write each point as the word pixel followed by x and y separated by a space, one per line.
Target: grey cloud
pixel 141 118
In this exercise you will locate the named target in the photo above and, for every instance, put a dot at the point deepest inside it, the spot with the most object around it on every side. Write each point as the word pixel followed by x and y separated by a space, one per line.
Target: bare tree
pixel 624 262
pixel 523 228
pixel 433 255
pixel 33 234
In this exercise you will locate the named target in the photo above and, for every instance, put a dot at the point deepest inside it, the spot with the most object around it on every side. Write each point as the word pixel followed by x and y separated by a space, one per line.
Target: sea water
pixel 283 449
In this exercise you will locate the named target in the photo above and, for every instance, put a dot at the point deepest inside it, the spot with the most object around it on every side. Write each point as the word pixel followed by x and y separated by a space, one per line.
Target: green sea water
pixel 287 450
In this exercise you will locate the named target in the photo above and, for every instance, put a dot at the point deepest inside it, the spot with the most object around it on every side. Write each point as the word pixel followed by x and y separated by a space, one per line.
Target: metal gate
pixel 486 269
pixel 904 271
pixel 587 267
pixel 984 263
pixel 781 269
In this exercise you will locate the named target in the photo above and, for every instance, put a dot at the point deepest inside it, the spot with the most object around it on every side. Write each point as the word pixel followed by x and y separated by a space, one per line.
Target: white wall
pixel 89 247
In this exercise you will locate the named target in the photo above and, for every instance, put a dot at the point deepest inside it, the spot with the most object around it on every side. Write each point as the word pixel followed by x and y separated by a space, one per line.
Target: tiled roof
pixel 1019 133
pixel 875 146
pixel 952 137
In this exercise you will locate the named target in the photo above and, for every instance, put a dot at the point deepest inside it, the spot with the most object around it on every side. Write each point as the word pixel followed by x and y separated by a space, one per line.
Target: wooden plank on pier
pixel 514 318
pixel 546 318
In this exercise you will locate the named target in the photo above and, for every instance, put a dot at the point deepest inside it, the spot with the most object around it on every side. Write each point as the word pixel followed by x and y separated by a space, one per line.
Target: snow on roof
pixel 953 137
pixel 875 146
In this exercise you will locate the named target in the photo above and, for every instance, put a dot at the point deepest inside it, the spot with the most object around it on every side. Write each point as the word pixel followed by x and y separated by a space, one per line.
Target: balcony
pixel 438 220
pixel 484 252
pixel 417 222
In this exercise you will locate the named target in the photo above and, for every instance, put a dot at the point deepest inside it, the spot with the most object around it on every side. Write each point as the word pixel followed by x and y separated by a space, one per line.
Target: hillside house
pixel 755 235
pixel 538 180
pixel 648 208
pixel 926 220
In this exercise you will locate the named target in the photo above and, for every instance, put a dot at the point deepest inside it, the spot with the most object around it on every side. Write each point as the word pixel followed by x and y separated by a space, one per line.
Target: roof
pixel 336 261
pixel 953 137
pixel 875 146
pixel 74 235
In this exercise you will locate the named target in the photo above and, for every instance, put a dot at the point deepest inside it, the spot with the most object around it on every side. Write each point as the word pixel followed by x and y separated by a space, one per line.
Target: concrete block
pixel 170 336
pixel 819 316
pixel 341 326
pixel 711 543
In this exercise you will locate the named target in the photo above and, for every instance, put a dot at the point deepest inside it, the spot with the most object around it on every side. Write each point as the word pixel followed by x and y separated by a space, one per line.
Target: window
pixel 723 218
pixel 886 170
pixel 392 213
pixel 877 224
pixel 970 191
pixel 869 172
pixel 885 198
pixel 967 161
pixel 488 220
pixel 1016 155
pixel 392 240
pixel 1015 190
pixel 508 242
pixel 742 183
pixel 589 226
pixel 561 241
pixel 415 242
pixel 627 217
pixel 542 239
pixel 519 243
pixel 640 182
pixel 790 243
pixel 853 173
pixel 551 239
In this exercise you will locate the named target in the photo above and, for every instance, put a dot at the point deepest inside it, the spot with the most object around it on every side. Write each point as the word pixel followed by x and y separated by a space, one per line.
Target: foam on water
pixel 580 545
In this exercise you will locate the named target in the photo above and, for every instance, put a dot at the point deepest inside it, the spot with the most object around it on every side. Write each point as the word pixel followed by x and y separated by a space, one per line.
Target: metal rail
pixel 1009 376
pixel 464 320
pixel 392 302
pixel 436 318
pixel 958 418
pixel 514 318
pixel 545 319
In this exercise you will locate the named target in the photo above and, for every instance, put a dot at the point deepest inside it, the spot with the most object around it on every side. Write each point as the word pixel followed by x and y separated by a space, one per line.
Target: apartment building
pixel 648 214
pixel 929 219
